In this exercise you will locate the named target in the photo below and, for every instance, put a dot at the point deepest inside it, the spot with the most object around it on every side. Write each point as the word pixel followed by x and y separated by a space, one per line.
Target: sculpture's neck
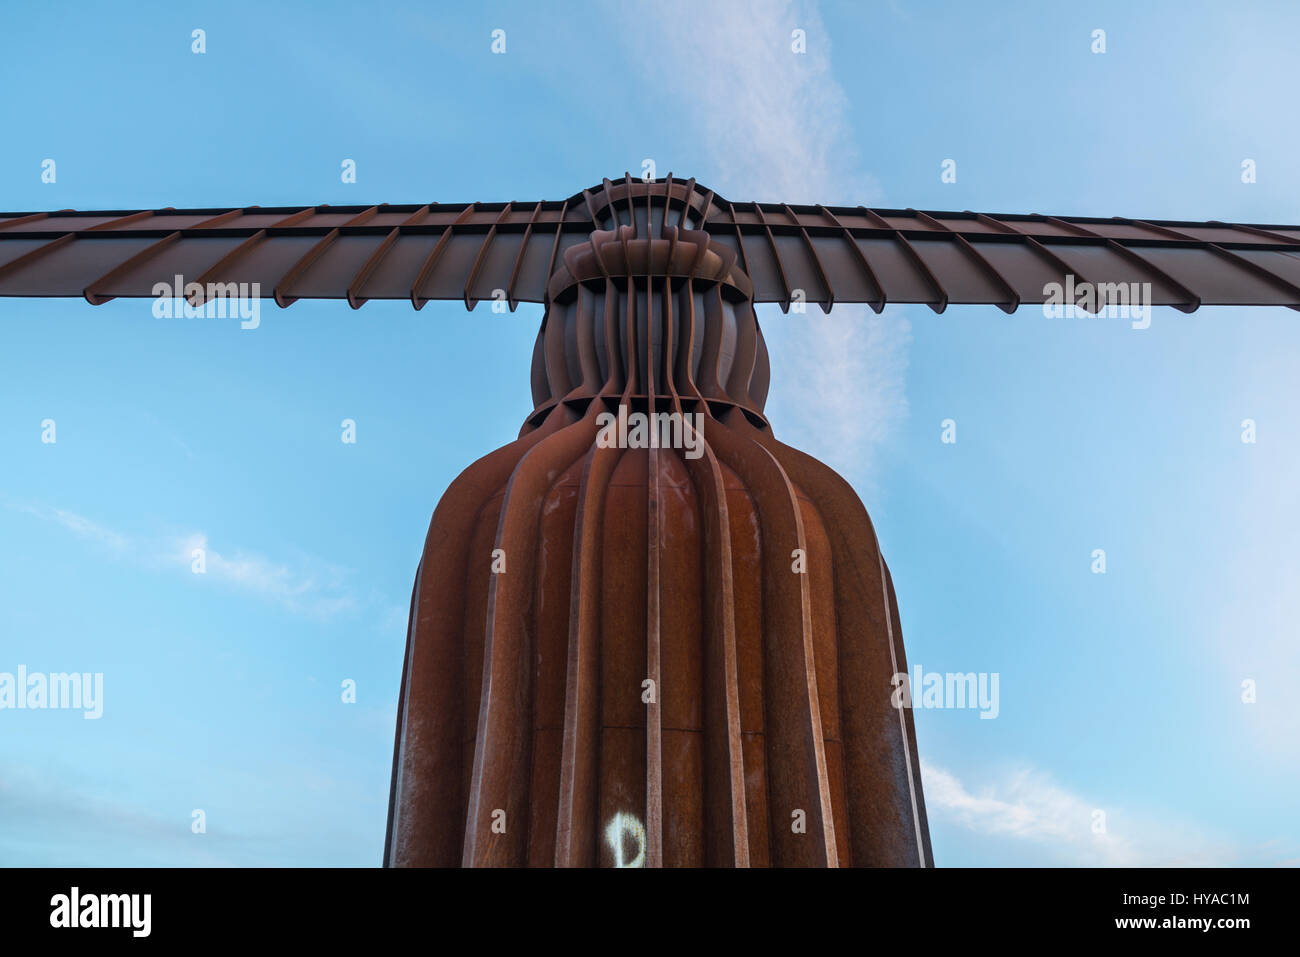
pixel 651 337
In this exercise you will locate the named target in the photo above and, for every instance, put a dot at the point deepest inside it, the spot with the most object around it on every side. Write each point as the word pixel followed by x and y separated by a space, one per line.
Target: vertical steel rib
pixel 654 811
pixel 519 258
pixel 877 305
pixel 776 256
pixel 281 293
pixel 431 261
pixel 817 261
pixel 470 303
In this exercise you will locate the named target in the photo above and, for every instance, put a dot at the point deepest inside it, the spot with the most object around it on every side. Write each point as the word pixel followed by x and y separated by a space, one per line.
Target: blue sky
pixel 1118 692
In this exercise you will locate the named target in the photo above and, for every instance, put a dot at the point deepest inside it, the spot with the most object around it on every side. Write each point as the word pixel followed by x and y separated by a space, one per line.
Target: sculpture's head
pixel 649 306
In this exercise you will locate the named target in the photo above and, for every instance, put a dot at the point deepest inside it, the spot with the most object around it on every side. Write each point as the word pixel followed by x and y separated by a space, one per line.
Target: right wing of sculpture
pixel 878 256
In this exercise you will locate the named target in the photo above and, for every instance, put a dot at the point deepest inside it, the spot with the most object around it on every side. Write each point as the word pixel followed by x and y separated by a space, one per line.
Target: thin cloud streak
pixel 1027 807
pixel 775 127
pixel 79 525
pixel 316 590
pixel 299 591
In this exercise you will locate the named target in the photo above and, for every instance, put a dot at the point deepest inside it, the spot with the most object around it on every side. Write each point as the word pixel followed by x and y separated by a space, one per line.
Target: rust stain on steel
pixel 614 656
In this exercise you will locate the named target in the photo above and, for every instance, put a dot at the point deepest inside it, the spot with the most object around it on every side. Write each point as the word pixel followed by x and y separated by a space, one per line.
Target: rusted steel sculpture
pixel 646 632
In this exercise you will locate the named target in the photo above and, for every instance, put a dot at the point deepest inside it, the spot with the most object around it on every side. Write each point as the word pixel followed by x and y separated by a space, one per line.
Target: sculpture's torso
pixel 632 655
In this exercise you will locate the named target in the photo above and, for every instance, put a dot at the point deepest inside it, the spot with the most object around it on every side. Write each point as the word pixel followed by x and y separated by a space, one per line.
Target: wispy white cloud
pixel 317 591
pixel 847 388
pixel 79 525
pixel 774 121
pixel 307 587
pixel 775 127
pixel 1027 807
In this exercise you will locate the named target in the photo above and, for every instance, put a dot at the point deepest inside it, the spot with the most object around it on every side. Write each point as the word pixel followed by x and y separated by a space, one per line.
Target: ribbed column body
pixel 646 633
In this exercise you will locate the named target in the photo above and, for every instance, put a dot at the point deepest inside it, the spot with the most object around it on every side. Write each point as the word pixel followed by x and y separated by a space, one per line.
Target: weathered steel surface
pixel 738 579
pixel 476 251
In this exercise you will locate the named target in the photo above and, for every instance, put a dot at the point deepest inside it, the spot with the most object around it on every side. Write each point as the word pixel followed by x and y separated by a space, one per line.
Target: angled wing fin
pixel 853 254
pixel 469 251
